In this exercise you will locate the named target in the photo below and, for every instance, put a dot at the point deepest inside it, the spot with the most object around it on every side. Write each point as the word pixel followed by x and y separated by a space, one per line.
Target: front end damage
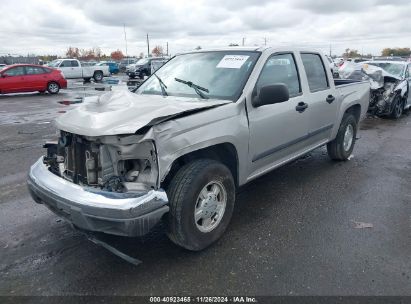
pixel 107 183
pixel 385 87
pixel 382 98
pixel 108 178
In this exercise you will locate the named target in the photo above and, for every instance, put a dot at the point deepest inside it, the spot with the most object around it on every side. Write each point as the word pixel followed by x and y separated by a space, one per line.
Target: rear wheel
pixel 53 87
pixel 98 76
pixel 397 107
pixel 202 195
pixel 342 146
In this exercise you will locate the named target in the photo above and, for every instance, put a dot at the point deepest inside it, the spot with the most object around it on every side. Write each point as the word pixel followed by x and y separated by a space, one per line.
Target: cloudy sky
pixel 50 26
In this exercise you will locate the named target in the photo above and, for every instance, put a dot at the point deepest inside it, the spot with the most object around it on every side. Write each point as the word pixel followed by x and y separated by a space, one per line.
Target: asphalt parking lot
pixel 300 230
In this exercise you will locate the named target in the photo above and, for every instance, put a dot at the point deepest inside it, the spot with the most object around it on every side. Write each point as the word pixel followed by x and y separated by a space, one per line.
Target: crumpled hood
pixel 123 112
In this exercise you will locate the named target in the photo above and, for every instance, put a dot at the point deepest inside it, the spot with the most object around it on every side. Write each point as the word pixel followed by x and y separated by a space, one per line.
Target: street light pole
pixel 148 47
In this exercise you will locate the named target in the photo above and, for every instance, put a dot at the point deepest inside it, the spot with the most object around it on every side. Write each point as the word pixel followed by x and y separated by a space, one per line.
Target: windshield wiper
pixel 162 85
pixel 196 88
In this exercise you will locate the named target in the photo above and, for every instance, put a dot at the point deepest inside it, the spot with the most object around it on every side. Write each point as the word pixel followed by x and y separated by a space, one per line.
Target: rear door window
pixel 315 71
pixel 31 70
pixel 74 63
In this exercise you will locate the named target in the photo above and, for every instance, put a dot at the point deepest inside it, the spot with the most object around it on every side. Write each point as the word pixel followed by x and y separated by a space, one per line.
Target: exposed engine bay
pixel 381 99
pixel 110 163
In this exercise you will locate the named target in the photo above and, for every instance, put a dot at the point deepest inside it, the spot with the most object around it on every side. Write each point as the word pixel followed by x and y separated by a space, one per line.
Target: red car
pixel 19 78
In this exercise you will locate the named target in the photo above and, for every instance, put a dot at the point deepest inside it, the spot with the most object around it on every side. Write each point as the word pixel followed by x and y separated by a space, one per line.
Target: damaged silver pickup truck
pixel 390 81
pixel 177 149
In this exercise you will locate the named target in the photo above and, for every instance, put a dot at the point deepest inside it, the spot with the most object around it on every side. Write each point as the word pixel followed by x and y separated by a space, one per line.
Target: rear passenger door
pixel 322 102
pixel 36 78
pixel 278 132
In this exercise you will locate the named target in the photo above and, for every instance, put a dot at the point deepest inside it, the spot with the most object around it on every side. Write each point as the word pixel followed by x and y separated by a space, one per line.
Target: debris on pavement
pixel 362 225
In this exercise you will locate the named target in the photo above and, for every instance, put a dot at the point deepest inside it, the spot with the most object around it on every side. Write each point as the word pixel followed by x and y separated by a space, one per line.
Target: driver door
pixel 277 131
pixel 13 80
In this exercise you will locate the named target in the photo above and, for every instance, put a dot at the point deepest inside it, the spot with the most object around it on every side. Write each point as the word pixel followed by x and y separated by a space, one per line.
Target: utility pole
pixel 243 40
pixel 265 41
pixel 125 38
pixel 167 48
pixel 330 49
pixel 148 47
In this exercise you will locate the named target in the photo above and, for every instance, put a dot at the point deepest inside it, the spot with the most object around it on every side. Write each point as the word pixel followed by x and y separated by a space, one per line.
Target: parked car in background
pixel 72 69
pixel 18 78
pixel 112 66
pixel 156 64
pixel 142 67
pixel 125 62
pixel 390 81
pixel 179 148
pixel 333 67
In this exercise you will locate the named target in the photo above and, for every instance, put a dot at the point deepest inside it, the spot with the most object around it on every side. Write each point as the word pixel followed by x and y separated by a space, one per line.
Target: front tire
pixel 202 195
pixel 397 107
pixel 343 145
pixel 53 87
pixel 98 76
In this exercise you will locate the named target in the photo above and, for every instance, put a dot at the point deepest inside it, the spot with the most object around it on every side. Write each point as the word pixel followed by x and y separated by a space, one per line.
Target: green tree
pixel 351 53
pixel 396 52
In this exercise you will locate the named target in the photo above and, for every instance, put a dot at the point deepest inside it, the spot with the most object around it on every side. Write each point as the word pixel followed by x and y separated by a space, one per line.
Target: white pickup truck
pixel 204 124
pixel 72 69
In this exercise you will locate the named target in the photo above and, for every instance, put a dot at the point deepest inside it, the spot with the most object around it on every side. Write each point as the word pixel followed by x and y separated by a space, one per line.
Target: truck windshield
pixel 392 68
pixel 223 73
pixel 54 63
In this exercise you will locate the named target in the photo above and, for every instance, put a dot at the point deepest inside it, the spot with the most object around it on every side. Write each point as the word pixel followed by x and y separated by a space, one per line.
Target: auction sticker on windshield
pixel 232 61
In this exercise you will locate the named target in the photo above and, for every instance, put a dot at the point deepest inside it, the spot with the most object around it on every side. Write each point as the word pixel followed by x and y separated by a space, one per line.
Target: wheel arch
pixel 226 153
pixel 354 110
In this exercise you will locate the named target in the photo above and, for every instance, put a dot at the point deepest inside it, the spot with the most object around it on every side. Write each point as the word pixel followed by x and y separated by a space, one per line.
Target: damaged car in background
pixel 389 80
pixel 204 124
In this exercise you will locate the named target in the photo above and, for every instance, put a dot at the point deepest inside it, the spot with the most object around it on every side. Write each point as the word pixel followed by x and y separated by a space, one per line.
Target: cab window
pixel 281 68
pixel 65 64
pixel 315 71
pixel 74 63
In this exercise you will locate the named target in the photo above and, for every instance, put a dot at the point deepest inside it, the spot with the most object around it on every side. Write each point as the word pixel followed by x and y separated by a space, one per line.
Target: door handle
pixel 301 107
pixel 330 99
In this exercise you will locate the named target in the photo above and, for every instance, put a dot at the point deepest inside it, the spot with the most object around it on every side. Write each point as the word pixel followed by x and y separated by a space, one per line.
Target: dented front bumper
pixel 125 214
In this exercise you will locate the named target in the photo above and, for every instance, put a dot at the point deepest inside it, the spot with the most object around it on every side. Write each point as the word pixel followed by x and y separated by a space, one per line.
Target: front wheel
pixel 53 87
pixel 98 76
pixel 397 107
pixel 343 145
pixel 202 195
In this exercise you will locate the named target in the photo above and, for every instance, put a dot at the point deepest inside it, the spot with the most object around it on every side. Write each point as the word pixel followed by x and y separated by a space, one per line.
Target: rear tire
pixel 397 107
pixel 98 76
pixel 202 195
pixel 53 87
pixel 342 146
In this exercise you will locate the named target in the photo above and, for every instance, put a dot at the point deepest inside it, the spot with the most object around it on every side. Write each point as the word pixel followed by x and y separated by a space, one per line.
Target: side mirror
pixel 271 94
